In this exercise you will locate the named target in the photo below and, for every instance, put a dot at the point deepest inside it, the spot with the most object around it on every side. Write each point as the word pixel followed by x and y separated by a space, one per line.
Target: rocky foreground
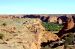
pixel 23 33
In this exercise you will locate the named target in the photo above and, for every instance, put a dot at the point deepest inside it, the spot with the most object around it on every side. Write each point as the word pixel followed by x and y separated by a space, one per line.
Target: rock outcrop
pixel 23 33
pixel 53 19
pixel 68 26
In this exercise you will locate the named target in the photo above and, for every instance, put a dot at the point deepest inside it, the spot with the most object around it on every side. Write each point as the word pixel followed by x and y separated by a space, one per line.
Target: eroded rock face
pixel 53 19
pixel 49 36
pixel 62 19
pixel 68 26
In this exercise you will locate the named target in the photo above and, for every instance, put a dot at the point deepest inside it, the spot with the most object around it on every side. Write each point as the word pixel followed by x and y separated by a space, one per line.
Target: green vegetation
pixel 69 39
pixel 51 26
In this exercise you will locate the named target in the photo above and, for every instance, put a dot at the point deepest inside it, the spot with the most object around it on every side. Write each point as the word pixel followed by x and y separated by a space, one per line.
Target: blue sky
pixel 37 6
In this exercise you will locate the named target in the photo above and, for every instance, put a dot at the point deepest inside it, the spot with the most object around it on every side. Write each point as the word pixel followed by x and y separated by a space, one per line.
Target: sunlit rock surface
pixel 23 33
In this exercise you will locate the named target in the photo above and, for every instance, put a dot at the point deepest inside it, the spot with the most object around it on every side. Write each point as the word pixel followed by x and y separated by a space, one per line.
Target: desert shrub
pixel 69 39
pixel 52 26
pixel 4 24
pixel 1 36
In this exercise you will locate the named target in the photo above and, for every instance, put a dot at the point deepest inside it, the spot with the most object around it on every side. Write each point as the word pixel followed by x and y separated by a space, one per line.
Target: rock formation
pixel 23 33
pixel 68 26
pixel 53 19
